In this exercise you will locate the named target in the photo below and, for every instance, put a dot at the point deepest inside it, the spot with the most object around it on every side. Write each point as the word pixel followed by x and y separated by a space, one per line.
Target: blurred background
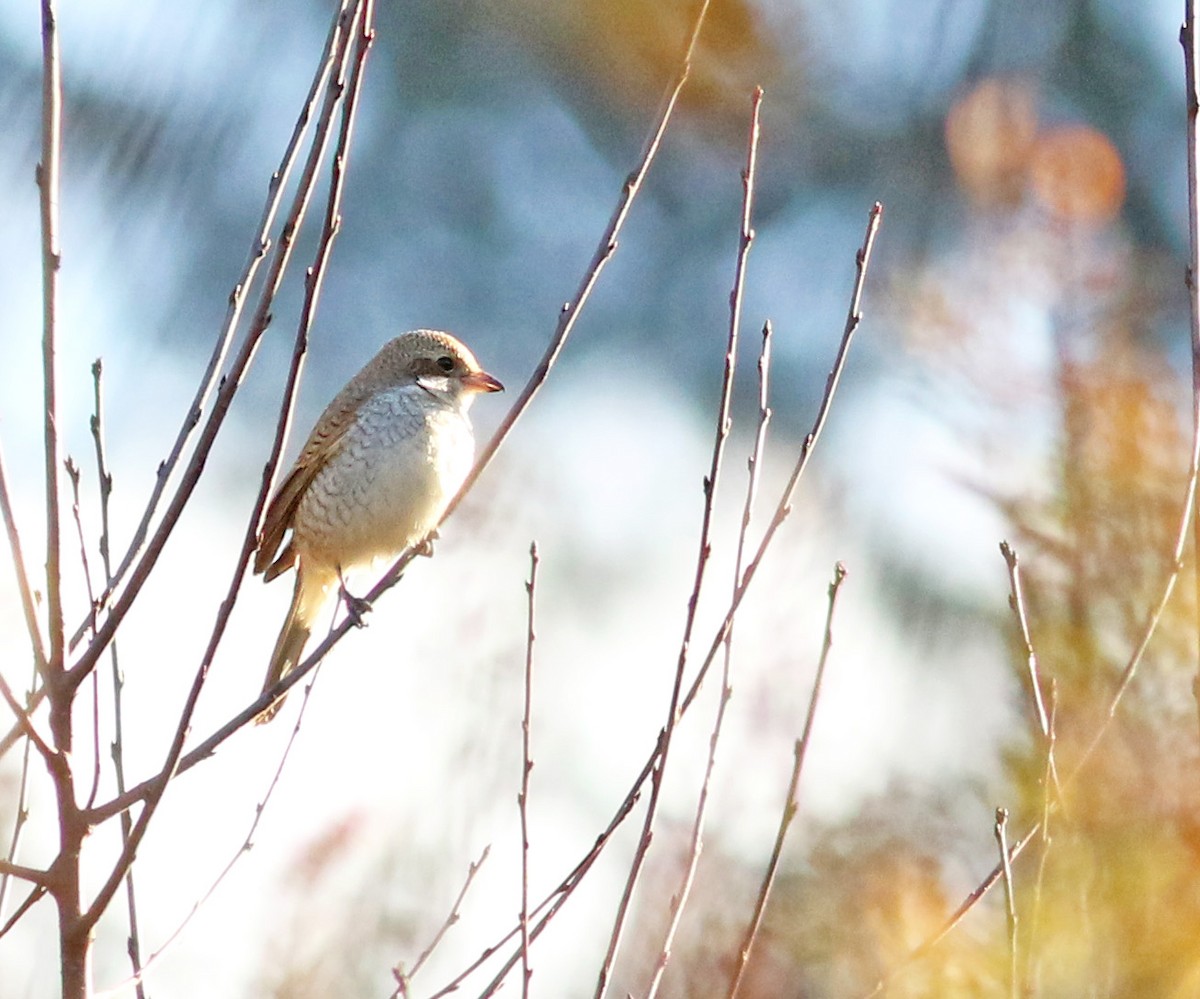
pixel 1021 374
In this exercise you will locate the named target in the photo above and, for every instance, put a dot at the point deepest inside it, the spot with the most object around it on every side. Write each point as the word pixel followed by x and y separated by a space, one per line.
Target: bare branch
pixel 26 724
pixel 1010 902
pixel 403 978
pixel 526 767
pixel 139 972
pixel 1017 602
pixel 260 244
pixel 23 587
pixel 557 898
pixel 352 57
pixel 39 667
pixel 31 874
pixel 117 747
pixel 36 894
pixel 566 322
pixel 73 474
pixel 746 238
pixel 48 177
pixel 1188 37
pixel 232 379
pixel 791 805
pixel 1035 921
pixel 20 817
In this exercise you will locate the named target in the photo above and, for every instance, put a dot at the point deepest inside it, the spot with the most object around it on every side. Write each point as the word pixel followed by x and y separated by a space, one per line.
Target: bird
pixel 374 478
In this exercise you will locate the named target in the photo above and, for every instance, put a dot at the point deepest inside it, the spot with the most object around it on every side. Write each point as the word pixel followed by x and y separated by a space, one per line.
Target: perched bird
pixel 374 478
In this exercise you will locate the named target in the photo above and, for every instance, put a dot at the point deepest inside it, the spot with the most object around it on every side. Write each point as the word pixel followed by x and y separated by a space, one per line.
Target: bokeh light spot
pixel 1077 174
pixel 990 132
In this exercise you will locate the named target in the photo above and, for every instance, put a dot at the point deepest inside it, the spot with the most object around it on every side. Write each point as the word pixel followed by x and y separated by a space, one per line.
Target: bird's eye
pixel 446 363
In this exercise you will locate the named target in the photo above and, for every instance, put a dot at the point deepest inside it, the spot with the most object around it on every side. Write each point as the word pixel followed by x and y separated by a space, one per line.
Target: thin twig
pixel 139 974
pixel 133 944
pixel 1188 37
pixel 52 758
pixel 1040 880
pixel 1017 603
pixel 353 55
pixel 1010 901
pixel 566 322
pixel 791 804
pixel 34 875
pixel 21 814
pixel 28 607
pixel 260 244
pixel 20 817
pixel 232 380
pixel 37 893
pixel 48 176
pixel 73 475
pixel 704 549
pixel 558 897
pixel 404 978
pixel 680 897
pixel 526 767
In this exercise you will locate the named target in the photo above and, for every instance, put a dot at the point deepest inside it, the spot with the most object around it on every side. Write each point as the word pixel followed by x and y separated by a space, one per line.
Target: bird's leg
pixel 356 607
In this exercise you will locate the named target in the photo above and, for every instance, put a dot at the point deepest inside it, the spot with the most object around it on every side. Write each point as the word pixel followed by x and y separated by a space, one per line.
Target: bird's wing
pixel 324 442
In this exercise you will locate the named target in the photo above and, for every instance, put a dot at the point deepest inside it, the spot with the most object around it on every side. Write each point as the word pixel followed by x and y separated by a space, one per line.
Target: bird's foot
pixel 425 548
pixel 356 607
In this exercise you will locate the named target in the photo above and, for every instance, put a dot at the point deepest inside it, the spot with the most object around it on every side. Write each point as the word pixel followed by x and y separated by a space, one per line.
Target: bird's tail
pixel 308 600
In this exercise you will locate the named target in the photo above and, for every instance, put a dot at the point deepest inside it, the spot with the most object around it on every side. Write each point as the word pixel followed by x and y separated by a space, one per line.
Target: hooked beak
pixel 481 381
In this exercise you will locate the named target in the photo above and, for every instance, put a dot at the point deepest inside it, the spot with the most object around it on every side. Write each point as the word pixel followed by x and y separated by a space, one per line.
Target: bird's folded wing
pixel 322 444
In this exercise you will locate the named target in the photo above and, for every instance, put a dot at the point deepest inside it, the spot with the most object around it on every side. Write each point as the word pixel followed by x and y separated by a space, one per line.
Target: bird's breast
pixel 387 483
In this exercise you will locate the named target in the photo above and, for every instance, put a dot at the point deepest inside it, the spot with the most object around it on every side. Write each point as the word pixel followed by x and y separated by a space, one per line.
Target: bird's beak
pixel 481 381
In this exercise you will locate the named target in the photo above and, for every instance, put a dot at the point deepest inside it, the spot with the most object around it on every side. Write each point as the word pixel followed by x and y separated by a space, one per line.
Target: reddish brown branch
pixel 351 56
pixel 791 803
pixel 745 240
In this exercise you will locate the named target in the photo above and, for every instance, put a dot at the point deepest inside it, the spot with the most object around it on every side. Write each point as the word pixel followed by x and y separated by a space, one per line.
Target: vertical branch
pixel 791 804
pixel 783 508
pixel 346 86
pixel 259 246
pixel 133 944
pixel 48 184
pixel 1016 601
pixel 558 896
pixel 526 767
pixel 20 817
pixel 74 937
pixel 232 380
pixel 1040 880
pixel 745 240
pixel 1188 37
pixel 1010 903
pixel 73 475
